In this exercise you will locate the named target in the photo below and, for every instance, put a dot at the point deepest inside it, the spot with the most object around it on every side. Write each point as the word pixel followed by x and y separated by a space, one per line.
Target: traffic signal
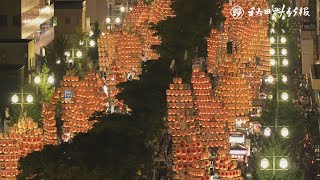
pixel 229 47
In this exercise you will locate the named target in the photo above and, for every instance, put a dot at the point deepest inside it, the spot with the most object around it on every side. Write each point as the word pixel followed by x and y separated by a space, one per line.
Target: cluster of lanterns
pixel 86 97
pixel 122 50
pixel 196 124
pixel 23 138
pixel 250 46
pixel 239 78
pixel 49 122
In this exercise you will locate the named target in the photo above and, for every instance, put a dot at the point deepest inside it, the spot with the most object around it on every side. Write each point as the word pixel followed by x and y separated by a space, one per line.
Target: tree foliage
pixel 114 149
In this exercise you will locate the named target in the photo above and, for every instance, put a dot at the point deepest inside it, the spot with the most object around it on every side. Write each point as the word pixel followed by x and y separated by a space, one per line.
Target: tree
pixel 187 31
pixel 55 57
pixel 93 51
pixel 46 89
pixel 114 149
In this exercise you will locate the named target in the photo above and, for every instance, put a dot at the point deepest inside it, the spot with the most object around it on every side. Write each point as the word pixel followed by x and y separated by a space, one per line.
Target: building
pixel 70 17
pixel 97 11
pixel 27 19
pixel 308 46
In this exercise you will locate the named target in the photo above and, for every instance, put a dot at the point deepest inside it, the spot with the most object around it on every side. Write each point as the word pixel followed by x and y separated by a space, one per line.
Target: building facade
pixel 70 17
pixel 27 19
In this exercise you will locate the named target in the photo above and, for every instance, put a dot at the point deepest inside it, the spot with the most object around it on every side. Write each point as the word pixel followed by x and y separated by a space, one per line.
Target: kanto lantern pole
pixel 22 83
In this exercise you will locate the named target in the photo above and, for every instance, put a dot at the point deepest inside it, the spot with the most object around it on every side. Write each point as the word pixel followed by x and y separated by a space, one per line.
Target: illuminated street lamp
pixel 284 132
pixel 285 62
pixel 284 51
pixel 37 80
pixel 15 98
pixel 108 20
pixel 122 9
pixel 117 20
pixel 267 132
pixel 50 79
pixel 91 33
pixel 79 54
pixel 284 96
pixel 272 30
pixel 272 62
pixel 283 40
pixel 29 98
pixel 272 51
pixel 264 163
pixel 67 53
pixel 92 43
pixel 284 79
pixel 272 40
pixel 283 163
pixel 270 79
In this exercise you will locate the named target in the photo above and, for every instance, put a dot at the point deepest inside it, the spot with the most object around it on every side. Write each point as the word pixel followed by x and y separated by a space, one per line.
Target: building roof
pixel 68 4
pixel 15 40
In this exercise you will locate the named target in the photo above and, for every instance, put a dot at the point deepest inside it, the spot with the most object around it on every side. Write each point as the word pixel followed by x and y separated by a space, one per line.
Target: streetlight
pixel 272 62
pixel 270 96
pixel 284 96
pixel 272 40
pixel 29 98
pixel 67 53
pixel 91 33
pixel 272 51
pixel 37 80
pixel 264 163
pixel 92 43
pixel 15 98
pixel 267 132
pixel 284 132
pixel 283 40
pixel 283 163
pixel 284 51
pixel 285 62
pixel 284 79
pixel 270 79
pixel 272 30
pixel 122 9
pixel 283 17
pixel 50 79
pixel 79 54
pixel 117 20
pixel 108 20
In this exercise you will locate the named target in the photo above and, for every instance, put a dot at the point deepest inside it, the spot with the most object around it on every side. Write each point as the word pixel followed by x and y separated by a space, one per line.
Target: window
pixel 3 20
pixel 16 21
pixel 67 20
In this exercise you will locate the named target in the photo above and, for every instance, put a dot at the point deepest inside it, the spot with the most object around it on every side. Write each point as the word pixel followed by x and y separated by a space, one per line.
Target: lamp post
pixel 73 54
pixel 47 79
pixel 278 54
pixel 113 20
pixel 282 166
pixel 22 98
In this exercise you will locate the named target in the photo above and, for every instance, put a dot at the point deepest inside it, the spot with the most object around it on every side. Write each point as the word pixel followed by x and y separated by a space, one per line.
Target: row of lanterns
pixel 23 138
